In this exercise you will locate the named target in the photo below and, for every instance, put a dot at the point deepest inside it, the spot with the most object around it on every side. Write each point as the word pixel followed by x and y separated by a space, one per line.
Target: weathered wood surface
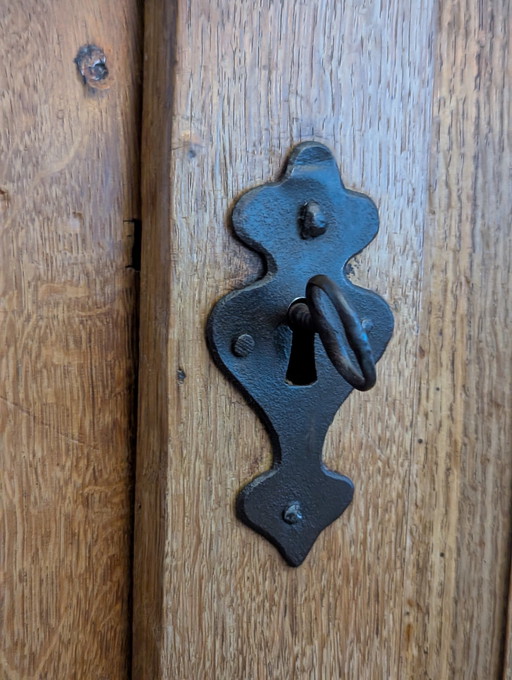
pixel 69 185
pixel 414 99
pixel 459 510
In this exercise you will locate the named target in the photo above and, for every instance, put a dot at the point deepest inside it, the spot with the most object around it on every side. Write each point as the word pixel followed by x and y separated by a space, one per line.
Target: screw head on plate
pixel 243 345
pixel 293 513
pixel 312 220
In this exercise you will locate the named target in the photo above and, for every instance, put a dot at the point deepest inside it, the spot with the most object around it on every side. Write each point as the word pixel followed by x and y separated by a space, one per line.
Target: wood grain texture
pixel 233 86
pixel 414 100
pixel 459 510
pixel 69 186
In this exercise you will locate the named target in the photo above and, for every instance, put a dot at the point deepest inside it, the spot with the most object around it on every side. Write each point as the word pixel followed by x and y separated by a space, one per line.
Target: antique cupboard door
pixel 69 188
pixel 413 97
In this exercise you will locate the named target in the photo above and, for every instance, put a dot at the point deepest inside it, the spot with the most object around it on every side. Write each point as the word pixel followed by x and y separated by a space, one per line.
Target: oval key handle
pixel 296 359
pixel 310 315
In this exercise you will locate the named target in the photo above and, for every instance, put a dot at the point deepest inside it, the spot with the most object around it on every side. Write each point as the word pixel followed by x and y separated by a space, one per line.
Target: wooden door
pixel 69 202
pixel 413 98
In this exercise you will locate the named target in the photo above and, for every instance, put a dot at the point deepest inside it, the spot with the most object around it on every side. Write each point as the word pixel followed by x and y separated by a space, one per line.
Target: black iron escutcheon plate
pixel 299 496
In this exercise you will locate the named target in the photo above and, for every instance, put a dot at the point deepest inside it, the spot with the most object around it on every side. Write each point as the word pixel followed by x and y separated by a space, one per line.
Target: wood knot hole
pixel 92 66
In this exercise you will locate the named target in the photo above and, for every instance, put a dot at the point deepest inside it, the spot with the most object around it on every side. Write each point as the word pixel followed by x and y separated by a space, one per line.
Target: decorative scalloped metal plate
pixel 291 503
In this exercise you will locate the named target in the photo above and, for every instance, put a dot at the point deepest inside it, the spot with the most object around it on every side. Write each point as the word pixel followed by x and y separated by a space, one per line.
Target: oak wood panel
pixel 69 188
pixel 229 87
pixel 459 512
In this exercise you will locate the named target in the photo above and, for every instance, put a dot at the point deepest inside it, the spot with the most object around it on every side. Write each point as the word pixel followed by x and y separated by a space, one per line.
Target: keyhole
pixel 301 367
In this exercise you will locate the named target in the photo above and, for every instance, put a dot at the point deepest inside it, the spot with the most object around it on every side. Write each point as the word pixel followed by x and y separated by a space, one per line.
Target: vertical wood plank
pixel 69 191
pixel 250 79
pixel 459 522
pixel 151 495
